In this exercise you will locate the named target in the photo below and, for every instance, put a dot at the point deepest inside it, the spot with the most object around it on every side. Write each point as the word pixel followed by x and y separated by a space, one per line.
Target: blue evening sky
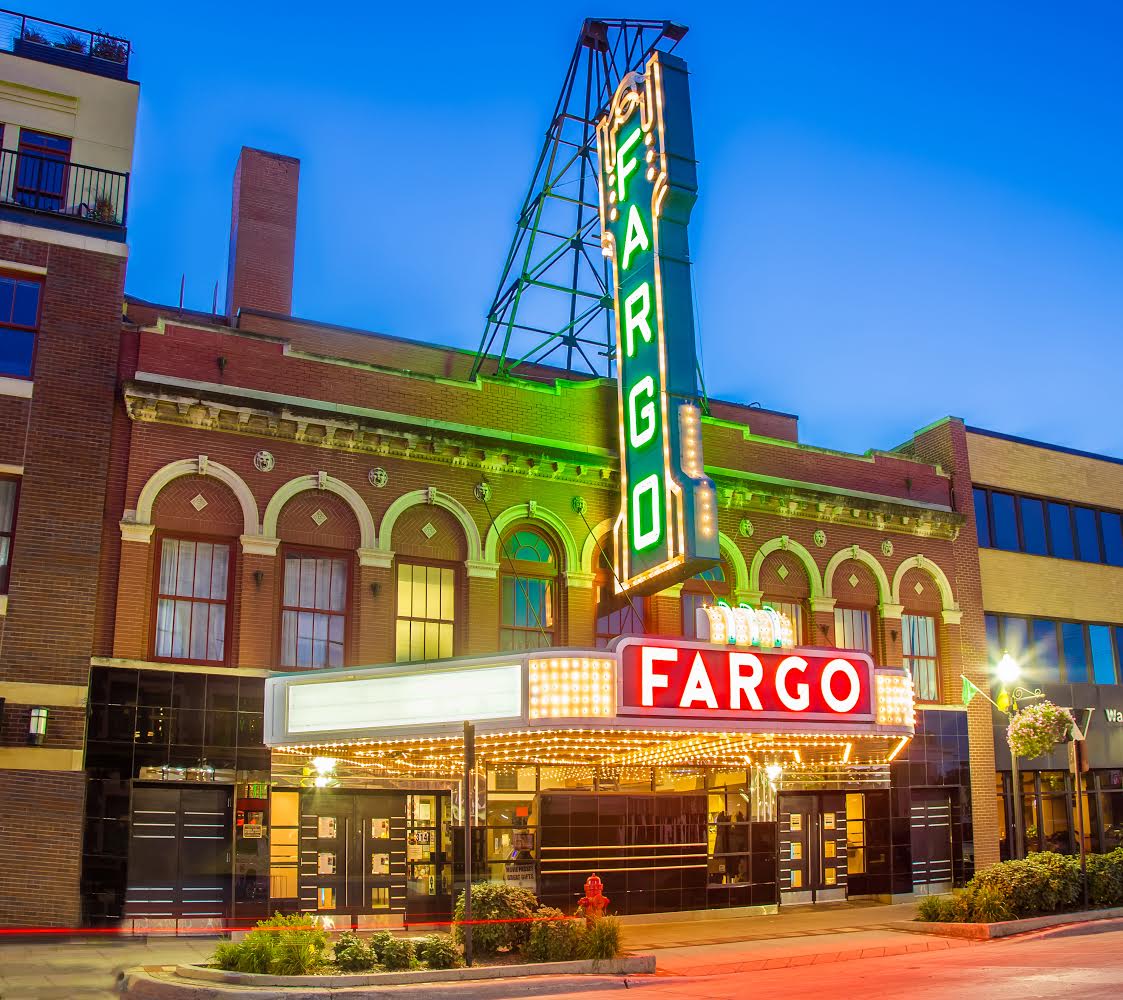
pixel 907 210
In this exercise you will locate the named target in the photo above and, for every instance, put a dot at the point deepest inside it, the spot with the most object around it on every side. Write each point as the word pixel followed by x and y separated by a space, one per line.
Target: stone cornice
pixel 398 436
pixel 381 439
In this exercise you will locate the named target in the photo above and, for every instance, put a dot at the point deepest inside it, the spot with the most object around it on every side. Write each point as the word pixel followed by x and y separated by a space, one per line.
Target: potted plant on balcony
pixel 103 210
pixel 72 42
pixel 31 34
pixel 108 48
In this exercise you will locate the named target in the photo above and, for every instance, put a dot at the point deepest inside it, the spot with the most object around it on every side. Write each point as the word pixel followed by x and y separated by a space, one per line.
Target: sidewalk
pixel 87 968
pixel 811 935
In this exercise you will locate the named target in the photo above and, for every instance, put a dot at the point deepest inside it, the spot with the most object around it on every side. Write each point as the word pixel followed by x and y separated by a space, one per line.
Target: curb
pixel 154 984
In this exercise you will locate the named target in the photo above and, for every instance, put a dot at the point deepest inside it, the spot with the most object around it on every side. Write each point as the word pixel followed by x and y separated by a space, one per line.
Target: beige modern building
pixel 1050 532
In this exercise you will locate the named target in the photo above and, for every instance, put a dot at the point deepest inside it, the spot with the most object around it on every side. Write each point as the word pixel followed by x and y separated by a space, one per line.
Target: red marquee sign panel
pixel 668 679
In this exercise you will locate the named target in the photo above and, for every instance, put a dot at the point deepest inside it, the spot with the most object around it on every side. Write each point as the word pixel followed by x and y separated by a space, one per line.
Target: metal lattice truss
pixel 554 299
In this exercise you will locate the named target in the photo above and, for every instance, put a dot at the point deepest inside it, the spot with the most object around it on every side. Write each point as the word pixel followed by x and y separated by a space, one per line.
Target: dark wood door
pixel 930 822
pixel 352 854
pixel 180 851
pixel 812 847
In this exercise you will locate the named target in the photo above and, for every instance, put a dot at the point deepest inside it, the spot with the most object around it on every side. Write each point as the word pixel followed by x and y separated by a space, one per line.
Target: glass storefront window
pixel 284 845
pixel 855 834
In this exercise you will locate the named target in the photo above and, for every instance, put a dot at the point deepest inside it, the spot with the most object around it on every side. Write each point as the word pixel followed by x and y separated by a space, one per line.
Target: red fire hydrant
pixel 592 905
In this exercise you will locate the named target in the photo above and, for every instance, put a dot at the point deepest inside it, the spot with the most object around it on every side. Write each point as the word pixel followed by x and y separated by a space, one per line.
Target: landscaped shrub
pixel 1105 878
pixel 509 904
pixel 283 946
pixel 1037 884
pixel 938 909
pixel 982 905
pixel 553 936
pixel 352 953
pixel 398 954
pixel 227 955
pixel 378 943
pixel 600 939
pixel 439 952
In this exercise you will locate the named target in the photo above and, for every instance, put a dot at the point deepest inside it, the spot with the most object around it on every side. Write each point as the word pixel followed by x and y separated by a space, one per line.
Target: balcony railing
pixel 57 187
pixel 64 45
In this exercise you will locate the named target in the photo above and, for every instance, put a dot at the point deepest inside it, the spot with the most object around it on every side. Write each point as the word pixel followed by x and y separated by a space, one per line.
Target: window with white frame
pixel 918 642
pixel 313 610
pixel 191 600
pixel 852 629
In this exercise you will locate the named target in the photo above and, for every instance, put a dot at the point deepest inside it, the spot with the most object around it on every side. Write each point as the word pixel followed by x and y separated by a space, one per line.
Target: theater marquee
pixel 666 529
pixel 682 701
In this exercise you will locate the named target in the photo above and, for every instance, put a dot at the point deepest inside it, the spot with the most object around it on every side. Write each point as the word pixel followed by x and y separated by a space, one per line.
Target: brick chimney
pixel 262 233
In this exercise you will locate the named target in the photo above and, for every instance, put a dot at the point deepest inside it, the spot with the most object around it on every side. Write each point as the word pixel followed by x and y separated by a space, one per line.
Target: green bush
pixel 1105 878
pixel 398 954
pixel 283 946
pixel 984 905
pixel 938 909
pixel 378 943
pixel 352 953
pixel 600 939
pixel 499 901
pixel 439 952
pixel 1038 884
pixel 227 955
pixel 553 936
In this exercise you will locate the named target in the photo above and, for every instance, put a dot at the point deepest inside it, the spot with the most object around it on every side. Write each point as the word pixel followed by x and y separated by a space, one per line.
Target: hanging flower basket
pixel 1035 730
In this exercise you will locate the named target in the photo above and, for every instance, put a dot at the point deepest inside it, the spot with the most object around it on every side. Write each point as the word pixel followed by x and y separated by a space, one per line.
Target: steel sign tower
pixel 551 306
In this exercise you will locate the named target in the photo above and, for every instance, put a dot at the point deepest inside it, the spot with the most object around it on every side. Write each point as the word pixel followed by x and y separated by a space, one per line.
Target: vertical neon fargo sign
pixel 666 530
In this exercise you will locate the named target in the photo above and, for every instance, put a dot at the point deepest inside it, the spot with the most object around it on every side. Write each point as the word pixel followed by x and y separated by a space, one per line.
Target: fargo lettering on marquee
pixel 696 679
pixel 666 529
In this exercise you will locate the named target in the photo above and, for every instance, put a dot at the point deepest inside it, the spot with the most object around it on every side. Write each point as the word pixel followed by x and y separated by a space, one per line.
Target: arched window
pixel 702 588
pixel 616 615
pixel 527 591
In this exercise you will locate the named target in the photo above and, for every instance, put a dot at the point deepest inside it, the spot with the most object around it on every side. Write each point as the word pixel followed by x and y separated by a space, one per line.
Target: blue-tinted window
pixel 1046 656
pixel 1110 525
pixel 1033 526
pixel 19 315
pixel 1103 657
pixel 1076 658
pixel 1005 522
pixel 1060 531
pixel 1015 638
pixel 982 519
pixel 994 643
pixel 1087 534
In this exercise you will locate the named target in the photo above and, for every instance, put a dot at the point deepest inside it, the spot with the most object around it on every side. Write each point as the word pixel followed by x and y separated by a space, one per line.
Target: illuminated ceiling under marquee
pixel 575 708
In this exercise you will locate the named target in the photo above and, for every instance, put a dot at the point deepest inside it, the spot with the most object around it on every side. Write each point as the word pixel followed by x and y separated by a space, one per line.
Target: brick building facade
pixel 194 503
pixel 284 444
pixel 68 127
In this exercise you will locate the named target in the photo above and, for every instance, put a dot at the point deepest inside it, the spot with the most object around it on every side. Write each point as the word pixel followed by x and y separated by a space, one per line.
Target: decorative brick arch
pixel 594 542
pixel 437 499
pixel 320 481
pixel 947 598
pixel 535 512
pixel 201 466
pixel 742 579
pixel 858 554
pixel 786 544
